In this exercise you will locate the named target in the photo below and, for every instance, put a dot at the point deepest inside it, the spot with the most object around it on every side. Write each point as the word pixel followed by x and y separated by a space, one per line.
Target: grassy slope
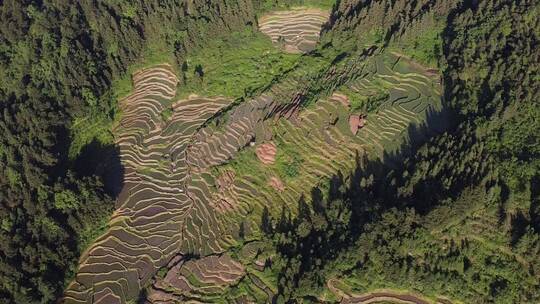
pixel 237 66
pixel 272 5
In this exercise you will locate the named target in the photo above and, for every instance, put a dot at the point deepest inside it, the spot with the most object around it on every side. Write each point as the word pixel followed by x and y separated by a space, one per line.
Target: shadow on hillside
pixel 103 161
pixel 388 181
pixel 94 161
pixel 337 219
pixel 436 122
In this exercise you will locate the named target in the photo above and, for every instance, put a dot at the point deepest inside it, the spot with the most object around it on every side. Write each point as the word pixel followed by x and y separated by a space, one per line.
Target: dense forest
pixel 64 64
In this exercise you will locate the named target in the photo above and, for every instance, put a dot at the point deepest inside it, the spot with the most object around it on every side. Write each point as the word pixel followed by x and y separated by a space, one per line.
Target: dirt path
pixel 378 296
pixel 386 296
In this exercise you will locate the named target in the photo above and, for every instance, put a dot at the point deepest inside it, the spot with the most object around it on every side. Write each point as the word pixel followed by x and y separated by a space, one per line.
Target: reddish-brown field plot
pixel 266 153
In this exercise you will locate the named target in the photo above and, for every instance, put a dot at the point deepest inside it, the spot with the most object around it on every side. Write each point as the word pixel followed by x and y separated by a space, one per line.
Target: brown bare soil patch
pixel 341 98
pixel 266 153
pixel 356 122
pixel 276 183
pixel 225 180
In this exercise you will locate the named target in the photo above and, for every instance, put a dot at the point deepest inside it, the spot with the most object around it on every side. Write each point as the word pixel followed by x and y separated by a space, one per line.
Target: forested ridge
pixel 64 64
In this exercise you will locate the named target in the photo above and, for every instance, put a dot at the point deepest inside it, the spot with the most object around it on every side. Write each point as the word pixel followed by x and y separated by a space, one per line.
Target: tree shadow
pixel 96 177
pixel 326 225
pixel 534 210
pixel 97 159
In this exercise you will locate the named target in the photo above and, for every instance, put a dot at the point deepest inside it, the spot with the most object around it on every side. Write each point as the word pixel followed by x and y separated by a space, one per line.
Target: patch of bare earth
pixel 356 122
pixel 341 99
pixel 276 183
pixel 266 153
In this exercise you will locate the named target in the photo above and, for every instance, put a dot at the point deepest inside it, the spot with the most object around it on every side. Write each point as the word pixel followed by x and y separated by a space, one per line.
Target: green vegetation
pixel 367 103
pixel 84 130
pixel 91 231
pixel 13 177
pixel 244 162
pixel 424 45
pixel 373 36
pixel 239 65
pixel 166 114
pixel 66 200
pixel 162 272
pixel 271 5
pixel 288 161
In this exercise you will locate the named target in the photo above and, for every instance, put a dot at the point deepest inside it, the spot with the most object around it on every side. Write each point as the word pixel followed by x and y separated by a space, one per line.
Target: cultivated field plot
pixel 207 279
pixel 296 30
pixel 412 95
pixel 344 292
pixel 193 187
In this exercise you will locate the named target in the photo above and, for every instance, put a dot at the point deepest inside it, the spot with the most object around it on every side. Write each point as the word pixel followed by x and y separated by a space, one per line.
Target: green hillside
pixel 268 151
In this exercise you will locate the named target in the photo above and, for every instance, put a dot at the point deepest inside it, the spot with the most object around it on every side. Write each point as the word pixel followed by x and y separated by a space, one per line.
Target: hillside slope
pixel 270 152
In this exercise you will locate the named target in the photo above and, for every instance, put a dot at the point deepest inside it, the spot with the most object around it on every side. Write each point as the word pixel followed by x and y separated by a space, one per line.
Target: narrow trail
pixel 382 295
pixel 388 296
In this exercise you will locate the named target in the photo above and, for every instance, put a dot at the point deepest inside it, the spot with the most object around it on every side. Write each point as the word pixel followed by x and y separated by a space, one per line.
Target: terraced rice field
pixel 296 30
pixel 162 209
pixel 412 97
pixel 185 196
pixel 206 279
pixel 385 297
